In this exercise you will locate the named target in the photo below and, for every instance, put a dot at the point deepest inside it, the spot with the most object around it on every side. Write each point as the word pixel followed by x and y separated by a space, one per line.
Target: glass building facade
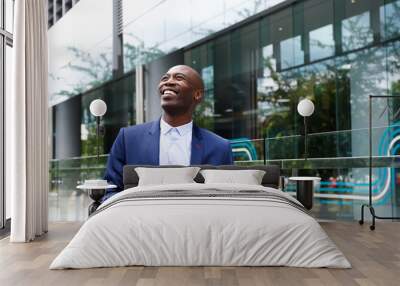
pixel 256 67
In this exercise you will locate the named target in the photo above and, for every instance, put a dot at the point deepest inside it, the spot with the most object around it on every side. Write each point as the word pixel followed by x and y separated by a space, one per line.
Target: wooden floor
pixel 375 257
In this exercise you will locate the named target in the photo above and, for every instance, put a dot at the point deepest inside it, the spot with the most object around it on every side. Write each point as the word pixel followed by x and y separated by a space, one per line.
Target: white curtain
pixel 26 123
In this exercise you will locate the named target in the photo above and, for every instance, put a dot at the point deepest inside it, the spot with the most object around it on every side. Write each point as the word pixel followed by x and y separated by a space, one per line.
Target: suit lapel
pixel 153 144
pixel 197 146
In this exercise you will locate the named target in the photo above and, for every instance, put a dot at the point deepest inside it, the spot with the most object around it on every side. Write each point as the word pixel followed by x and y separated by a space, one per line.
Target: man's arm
pixel 228 155
pixel 116 162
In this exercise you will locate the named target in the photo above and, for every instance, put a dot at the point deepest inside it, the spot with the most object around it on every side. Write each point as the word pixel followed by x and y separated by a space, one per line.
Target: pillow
pixel 248 177
pixel 162 176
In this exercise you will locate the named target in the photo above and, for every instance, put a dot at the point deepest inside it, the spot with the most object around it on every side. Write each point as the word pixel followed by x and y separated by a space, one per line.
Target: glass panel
pixel 8 82
pixel 318 26
pixel 390 20
pixel 291 52
pixel 266 84
pixel 80 50
pixel 185 23
pixel 385 144
pixel 9 15
pixel 339 195
pixel 322 44
pixel 2 135
pixel 342 190
pixel 66 203
pixel 119 97
pixel 204 113
pixel 201 59
pixel 393 59
pixel 235 94
pixel 248 152
pixel 357 32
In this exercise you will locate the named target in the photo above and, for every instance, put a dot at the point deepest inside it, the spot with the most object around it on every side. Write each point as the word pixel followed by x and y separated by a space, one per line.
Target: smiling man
pixel 173 139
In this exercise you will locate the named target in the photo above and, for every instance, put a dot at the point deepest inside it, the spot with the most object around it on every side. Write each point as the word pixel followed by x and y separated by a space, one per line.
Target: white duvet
pixel 183 231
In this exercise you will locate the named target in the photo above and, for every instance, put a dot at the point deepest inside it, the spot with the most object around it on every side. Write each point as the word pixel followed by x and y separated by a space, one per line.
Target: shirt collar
pixel 182 129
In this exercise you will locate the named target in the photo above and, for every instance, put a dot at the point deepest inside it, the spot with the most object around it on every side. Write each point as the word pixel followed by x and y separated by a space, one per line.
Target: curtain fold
pixel 26 123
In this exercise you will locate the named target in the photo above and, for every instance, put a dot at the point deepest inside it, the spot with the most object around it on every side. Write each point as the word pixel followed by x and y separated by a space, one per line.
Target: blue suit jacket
pixel 140 145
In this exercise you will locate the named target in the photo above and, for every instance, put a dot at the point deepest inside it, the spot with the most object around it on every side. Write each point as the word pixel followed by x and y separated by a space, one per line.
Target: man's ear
pixel 198 95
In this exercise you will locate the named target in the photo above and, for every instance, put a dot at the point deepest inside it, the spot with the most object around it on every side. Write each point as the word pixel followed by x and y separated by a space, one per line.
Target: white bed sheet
pixel 192 231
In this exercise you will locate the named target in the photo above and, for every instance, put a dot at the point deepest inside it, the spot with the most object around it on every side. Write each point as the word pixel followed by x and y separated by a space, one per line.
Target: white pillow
pixel 248 177
pixel 163 176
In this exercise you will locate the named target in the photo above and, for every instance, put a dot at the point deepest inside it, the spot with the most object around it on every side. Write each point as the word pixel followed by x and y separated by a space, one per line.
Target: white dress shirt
pixel 175 144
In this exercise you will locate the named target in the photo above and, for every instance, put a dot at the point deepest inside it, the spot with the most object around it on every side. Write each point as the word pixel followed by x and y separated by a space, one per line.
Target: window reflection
pixel 268 60
pixel 205 111
pixel 266 86
pixel 356 32
pixel 184 22
pixel 390 20
pixel 119 97
pixel 291 52
pixel 393 61
pixel 201 59
pixel 322 44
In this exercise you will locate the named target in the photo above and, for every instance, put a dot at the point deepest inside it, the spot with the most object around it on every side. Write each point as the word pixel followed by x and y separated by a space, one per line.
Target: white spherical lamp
pixel 305 107
pixel 98 107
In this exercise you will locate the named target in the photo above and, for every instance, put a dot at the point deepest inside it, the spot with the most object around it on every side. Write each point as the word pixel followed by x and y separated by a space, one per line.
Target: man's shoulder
pixel 139 128
pixel 212 137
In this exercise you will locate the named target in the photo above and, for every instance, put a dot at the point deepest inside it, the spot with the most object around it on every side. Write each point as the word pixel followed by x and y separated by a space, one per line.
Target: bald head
pixel 193 75
pixel 181 89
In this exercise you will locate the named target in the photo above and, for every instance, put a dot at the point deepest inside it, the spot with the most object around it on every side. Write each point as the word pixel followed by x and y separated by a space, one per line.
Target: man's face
pixel 180 90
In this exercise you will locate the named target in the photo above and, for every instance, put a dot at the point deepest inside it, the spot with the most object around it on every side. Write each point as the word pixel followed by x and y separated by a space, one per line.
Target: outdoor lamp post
pixel 305 108
pixel 98 108
pixel 96 187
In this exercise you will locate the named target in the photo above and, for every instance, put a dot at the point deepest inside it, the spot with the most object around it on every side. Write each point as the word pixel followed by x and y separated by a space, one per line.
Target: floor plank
pixel 374 255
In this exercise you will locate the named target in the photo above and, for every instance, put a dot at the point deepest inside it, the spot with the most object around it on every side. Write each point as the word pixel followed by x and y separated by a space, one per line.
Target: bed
pixel 201 224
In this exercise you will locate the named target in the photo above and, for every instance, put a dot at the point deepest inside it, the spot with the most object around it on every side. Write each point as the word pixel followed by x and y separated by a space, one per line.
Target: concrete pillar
pixel 67 128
